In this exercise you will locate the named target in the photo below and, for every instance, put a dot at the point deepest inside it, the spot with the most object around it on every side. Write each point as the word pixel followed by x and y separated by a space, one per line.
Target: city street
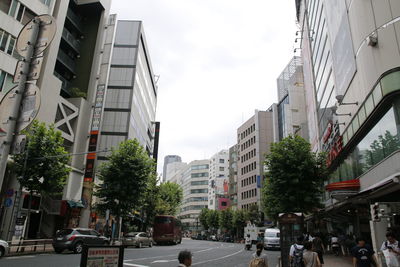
pixel 205 253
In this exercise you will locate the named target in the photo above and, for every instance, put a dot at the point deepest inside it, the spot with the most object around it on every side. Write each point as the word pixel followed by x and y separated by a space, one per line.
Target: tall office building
pixel 254 139
pixel 195 193
pixel 130 107
pixel 167 160
pixel 70 74
pixel 175 171
pixel 290 112
pixel 351 68
pixel 218 190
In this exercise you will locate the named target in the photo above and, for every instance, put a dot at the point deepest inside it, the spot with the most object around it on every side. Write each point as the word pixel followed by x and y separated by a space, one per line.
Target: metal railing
pixel 66 60
pixel 30 246
pixel 75 19
pixel 75 43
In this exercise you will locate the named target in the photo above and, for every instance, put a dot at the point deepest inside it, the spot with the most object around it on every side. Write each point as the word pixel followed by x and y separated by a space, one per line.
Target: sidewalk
pixel 333 261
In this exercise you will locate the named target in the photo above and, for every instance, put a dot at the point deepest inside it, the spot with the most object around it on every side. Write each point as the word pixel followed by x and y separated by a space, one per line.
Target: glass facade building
pixel 131 100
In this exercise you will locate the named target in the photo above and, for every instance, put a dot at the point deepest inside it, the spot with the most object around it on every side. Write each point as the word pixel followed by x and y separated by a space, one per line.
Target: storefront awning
pixel 344 185
pixel 395 178
pixel 75 204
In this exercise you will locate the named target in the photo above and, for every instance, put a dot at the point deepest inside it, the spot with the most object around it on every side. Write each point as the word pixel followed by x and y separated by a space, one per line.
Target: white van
pixel 272 239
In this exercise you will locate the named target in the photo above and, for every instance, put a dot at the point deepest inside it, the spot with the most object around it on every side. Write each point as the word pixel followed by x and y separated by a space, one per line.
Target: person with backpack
pixel 363 254
pixel 296 253
pixel 391 250
pixel 259 259
pixel 310 258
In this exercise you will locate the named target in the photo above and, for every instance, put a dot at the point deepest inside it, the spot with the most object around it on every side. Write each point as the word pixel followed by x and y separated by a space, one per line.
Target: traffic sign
pixel 8 202
pixel 46 34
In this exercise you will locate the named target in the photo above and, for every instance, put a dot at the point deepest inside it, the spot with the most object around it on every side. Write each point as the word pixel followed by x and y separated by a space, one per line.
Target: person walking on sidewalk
pixel 391 250
pixel 296 253
pixel 363 255
pixel 259 259
pixel 310 258
pixel 318 247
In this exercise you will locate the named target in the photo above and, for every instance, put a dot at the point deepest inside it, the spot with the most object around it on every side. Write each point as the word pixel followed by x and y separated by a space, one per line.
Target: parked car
pixel 3 248
pixel 137 239
pixel 74 238
pixel 228 238
pixel 272 239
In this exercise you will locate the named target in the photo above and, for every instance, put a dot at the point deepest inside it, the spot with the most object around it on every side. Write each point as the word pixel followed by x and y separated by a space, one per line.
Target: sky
pixel 218 61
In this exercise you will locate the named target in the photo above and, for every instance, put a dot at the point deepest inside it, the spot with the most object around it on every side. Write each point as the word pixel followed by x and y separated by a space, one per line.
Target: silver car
pixel 3 248
pixel 137 239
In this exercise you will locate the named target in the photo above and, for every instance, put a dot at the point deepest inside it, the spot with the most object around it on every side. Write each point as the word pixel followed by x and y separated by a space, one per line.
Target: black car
pixel 74 239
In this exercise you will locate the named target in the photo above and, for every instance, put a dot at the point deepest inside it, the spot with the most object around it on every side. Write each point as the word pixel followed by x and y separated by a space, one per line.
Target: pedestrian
pixel 310 258
pixel 296 253
pixel 318 246
pixel 335 244
pixel 391 250
pixel 248 242
pixel 363 255
pixel 259 259
pixel 185 258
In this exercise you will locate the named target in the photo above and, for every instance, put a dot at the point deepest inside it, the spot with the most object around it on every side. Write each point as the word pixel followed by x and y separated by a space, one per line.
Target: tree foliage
pixel 169 196
pixel 213 219
pixel 203 218
pixel 239 221
pixel 43 166
pixel 124 179
pixel 149 201
pixel 226 219
pixel 294 179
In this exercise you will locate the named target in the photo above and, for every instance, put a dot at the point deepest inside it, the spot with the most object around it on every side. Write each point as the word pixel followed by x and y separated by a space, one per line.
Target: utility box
pixel 291 226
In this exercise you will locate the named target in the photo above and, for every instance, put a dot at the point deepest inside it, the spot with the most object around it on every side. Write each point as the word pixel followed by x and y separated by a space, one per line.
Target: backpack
pixel 298 257
pixel 257 262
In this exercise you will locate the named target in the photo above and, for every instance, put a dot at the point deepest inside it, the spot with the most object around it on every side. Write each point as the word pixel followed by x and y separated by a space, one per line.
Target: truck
pixel 256 233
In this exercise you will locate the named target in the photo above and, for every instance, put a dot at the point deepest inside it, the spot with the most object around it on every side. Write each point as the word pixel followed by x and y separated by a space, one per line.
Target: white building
pixel 195 193
pixel 75 65
pixel 175 171
pixel 218 187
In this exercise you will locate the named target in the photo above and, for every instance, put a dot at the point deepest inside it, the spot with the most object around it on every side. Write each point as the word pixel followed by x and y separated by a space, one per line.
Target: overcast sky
pixel 218 61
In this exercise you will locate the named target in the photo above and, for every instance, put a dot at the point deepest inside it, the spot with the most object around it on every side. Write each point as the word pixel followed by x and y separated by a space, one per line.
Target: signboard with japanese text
pixel 102 256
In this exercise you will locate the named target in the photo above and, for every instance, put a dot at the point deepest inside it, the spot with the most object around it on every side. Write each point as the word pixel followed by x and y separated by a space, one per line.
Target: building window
pixel 46 2
pixel 6 82
pixel 221 169
pixel 5 5
pixel 221 160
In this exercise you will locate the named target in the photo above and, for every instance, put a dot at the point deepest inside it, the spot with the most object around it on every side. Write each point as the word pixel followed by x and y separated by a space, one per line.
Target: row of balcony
pixel 71 40
pixel 66 60
pixel 75 19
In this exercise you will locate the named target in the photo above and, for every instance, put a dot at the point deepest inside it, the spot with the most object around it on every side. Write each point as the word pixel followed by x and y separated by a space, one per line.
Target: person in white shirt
pixel 296 251
pixel 391 249
pixel 185 258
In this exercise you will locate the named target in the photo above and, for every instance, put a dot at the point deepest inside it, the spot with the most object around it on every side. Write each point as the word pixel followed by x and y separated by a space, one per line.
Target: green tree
pixel 203 218
pixel 226 219
pixel 294 179
pixel 124 179
pixel 150 201
pixel 254 215
pixel 381 148
pixel 43 167
pixel 239 221
pixel 213 219
pixel 170 197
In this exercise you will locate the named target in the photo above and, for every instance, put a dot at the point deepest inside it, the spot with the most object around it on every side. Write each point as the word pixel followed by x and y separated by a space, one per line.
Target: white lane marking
pixel 224 257
pixel 18 257
pixel 171 255
pixel 162 261
pixel 135 265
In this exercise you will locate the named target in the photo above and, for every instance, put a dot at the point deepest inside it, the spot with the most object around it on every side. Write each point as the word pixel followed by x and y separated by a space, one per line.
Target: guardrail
pixel 30 246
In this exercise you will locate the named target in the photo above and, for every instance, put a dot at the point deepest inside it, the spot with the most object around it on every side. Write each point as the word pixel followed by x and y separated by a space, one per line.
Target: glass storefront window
pixel 355 124
pixel 369 105
pixel 377 93
pixel 381 141
pixel 362 115
pixel 390 82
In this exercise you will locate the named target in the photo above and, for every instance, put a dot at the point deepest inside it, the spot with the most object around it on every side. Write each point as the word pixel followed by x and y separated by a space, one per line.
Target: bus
pixel 167 229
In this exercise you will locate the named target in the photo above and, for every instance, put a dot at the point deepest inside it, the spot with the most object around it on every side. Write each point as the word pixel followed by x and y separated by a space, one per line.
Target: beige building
pixel 254 139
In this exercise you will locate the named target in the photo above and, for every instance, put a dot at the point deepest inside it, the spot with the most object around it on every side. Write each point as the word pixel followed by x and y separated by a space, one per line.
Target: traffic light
pixel 375 213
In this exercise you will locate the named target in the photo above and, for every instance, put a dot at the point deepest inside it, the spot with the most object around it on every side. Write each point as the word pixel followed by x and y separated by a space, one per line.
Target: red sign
pixel 335 150
pixel 345 185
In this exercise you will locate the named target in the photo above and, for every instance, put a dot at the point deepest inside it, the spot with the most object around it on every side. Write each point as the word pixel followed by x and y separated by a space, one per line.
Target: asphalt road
pixel 205 253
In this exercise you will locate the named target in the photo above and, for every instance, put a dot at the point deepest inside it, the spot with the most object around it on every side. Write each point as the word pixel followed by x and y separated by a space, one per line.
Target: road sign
pixel 46 34
pixel 29 107
pixel 8 202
